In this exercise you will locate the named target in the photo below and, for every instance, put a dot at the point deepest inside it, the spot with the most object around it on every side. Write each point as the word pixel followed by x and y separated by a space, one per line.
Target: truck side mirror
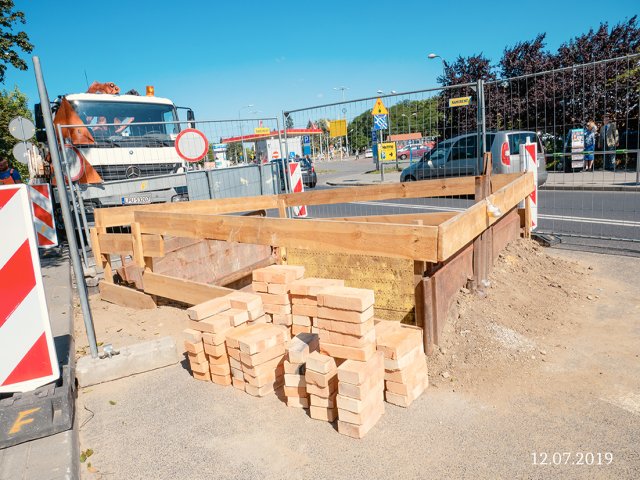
pixel 191 118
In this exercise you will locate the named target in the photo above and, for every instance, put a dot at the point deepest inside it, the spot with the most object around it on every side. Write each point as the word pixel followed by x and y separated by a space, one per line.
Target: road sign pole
pixel 66 213
pixel 380 161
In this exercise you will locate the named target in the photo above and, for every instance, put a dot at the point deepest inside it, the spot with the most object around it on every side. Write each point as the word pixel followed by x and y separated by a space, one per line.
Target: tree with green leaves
pixel 12 104
pixel 12 42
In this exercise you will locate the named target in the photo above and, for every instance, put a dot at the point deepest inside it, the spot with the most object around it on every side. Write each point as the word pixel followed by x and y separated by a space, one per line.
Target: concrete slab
pixel 50 458
pixel 133 359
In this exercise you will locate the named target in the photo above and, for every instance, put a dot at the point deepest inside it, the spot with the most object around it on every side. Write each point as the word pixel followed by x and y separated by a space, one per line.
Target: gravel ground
pixel 584 397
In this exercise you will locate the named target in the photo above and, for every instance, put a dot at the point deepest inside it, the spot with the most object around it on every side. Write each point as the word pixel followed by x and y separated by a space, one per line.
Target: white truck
pixel 125 152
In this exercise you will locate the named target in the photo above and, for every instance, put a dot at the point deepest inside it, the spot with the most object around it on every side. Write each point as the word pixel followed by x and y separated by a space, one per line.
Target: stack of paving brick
pixel 304 302
pixel 207 320
pixel 197 357
pixel 295 386
pixel 360 397
pixel 214 319
pixel 321 377
pixel 406 375
pixel 273 285
pixel 345 322
pixel 260 349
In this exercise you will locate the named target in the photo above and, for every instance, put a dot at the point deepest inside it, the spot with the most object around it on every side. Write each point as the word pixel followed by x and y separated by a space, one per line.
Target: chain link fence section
pixel 414 123
pixel 586 117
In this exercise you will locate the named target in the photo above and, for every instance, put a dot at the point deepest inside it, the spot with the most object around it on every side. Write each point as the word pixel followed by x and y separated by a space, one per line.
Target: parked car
pixel 458 156
pixel 309 176
pixel 413 152
pixel 368 153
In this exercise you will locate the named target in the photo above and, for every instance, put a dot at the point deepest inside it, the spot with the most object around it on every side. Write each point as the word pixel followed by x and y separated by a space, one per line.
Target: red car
pixel 415 152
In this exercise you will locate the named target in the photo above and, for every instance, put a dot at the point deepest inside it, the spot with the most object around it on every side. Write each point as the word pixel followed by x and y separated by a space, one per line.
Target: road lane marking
pixel 559 218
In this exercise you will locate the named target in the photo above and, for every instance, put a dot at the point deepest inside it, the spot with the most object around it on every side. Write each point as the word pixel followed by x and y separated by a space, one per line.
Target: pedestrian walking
pixel 609 141
pixel 8 176
pixel 590 133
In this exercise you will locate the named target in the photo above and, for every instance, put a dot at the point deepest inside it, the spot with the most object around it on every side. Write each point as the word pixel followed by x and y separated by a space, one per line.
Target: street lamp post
pixel 241 129
pixel 342 88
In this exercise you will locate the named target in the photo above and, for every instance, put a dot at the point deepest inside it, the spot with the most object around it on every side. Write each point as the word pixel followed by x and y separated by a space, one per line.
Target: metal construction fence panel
pixel 587 120
pixel 389 132
pixel 241 181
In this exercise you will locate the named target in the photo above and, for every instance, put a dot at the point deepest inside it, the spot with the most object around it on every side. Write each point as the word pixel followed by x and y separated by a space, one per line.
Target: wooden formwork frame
pixel 429 239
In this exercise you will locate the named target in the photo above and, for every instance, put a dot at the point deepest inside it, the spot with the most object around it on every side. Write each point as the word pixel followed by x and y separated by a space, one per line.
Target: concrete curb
pixel 131 360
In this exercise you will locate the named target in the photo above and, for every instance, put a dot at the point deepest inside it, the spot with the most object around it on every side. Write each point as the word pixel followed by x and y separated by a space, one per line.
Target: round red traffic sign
pixel 275 155
pixel 192 145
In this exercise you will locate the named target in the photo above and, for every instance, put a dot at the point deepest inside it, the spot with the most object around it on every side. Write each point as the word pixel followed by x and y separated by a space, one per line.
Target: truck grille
pixel 134 170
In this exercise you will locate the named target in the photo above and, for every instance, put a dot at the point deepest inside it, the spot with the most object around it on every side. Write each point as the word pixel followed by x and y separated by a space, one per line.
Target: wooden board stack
pixel 406 375
pixel 345 323
pixel 272 283
pixel 295 386
pixel 304 302
pixel 261 351
pixel 360 397
pixel 321 377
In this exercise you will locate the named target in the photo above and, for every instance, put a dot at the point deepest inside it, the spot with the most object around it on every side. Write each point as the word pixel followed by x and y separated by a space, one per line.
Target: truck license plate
pixel 136 200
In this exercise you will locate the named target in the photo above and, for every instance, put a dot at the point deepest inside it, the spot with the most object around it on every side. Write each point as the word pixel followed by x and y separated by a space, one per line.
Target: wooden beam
pixel 125 296
pixel 153 245
pixel 181 290
pixel 399 241
pixel 115 243
pixel 443 187
pixel 106 258
pixel 244 272
pixel 431 218
pixel 95 248
pixel 138 251
pixel 118 216
pixel 458 231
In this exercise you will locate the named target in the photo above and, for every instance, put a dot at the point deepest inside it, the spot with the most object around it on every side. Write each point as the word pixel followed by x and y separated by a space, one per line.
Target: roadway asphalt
pixel 596 220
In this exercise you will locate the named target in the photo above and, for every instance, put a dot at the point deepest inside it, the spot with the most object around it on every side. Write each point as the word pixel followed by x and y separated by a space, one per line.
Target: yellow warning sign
pixel 337 128
pixel 379 108
pixel 459 102
pixel 387 151
pixel 261 131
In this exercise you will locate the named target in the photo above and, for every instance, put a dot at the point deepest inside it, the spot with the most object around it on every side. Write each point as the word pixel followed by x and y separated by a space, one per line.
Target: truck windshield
pixel 127 116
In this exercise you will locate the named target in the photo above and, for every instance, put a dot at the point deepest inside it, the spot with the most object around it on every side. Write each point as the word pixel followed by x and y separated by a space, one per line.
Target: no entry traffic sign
pixel 192 145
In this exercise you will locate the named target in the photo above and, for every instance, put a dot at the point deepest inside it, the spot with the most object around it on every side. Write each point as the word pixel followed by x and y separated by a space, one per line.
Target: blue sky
pixel 219 56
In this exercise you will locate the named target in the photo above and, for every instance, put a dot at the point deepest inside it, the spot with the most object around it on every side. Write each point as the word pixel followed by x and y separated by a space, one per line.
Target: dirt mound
pixel 508 333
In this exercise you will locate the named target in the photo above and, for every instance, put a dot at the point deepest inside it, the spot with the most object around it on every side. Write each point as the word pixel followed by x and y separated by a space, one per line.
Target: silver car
pixel 458 156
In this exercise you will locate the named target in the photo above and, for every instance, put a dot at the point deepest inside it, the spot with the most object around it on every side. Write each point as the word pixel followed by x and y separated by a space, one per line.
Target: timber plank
pixel 458 231
pixel 116 243
pixel 435 218
pixel 185 291
pixel 125 296
pixel 111 217
pixel 153 245
pixel 399 241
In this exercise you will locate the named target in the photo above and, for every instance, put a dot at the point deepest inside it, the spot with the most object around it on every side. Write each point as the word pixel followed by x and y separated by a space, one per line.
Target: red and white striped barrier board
pixel 529 163
pixel 43 219
pixel 27 352
pixel 297 186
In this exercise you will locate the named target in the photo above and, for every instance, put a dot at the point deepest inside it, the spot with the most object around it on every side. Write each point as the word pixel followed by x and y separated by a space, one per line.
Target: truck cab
pixel 129 137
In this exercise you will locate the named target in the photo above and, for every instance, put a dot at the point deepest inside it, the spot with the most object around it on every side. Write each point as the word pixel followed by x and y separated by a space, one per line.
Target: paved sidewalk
pixel 599 180
pixel 54 457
